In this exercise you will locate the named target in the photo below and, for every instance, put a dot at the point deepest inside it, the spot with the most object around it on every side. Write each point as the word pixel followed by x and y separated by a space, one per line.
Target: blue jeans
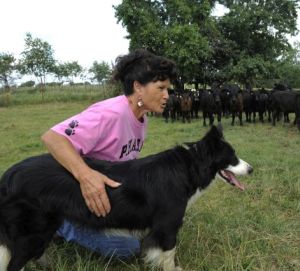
pixel 107 245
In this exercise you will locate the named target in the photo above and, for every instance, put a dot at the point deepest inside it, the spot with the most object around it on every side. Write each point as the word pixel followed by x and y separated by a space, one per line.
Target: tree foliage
pixel 7 67
pixel 258 33
pixel 101 71
pixel 289 67
pixel 67 71
pixel 37 58
pixel 177 29
pixel 243 45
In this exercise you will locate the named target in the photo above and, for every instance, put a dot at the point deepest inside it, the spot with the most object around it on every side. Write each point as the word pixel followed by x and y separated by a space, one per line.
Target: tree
pixel 7 67
pixel 101 71
pixel 176 29
pixel 74 70
pixel 289 67
pixel 258 33
pixel 251 37
pixel 67 71
pixel 37 58
pixel 248 70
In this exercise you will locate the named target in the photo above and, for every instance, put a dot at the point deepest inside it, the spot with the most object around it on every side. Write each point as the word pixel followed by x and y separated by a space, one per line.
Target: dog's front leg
pixel 160 243
pixel 169 261
pixel 156 257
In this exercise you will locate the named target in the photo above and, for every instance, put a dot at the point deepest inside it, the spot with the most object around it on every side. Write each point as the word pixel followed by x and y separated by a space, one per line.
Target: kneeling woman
pixel 113 130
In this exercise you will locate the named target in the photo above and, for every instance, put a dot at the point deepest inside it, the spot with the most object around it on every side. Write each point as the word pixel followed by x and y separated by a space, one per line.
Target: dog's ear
pixel 220 129
pixel 212 140
pixel 215 132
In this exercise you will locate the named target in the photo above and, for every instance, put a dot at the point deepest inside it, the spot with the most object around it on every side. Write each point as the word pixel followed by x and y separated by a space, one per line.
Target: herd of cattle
pixel 229 100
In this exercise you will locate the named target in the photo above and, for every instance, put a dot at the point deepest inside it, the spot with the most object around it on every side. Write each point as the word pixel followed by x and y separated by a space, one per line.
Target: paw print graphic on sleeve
pixel 71 129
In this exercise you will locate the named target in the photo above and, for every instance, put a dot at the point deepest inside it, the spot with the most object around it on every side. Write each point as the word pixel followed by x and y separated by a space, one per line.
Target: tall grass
pixel 72 93
pixel 258 229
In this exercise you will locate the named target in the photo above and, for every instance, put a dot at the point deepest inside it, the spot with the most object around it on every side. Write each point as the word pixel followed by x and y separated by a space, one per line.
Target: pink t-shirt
pixel 107 130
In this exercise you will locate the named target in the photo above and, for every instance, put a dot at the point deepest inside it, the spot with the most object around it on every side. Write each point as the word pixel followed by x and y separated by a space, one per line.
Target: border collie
pixel 37 194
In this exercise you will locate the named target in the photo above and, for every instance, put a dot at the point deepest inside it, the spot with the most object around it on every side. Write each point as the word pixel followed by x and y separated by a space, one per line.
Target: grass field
pixel 258 229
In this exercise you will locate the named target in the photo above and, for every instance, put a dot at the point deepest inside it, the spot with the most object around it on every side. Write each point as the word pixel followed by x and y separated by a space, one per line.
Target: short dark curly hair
pixel 144 67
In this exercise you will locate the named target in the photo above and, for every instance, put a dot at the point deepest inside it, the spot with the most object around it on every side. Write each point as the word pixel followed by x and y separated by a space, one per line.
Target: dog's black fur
pixel 37 194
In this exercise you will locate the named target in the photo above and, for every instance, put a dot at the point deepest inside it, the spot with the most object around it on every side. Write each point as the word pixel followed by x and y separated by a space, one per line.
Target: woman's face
pixel 155 95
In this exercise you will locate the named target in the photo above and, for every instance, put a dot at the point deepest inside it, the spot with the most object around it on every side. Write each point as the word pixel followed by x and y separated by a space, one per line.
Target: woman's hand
pixel 92 182
pixel 92 185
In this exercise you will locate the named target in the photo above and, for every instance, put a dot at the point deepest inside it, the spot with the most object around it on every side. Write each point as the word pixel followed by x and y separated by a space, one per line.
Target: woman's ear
pixel 137 86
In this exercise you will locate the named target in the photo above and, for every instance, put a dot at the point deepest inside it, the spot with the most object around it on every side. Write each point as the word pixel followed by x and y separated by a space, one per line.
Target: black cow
pixel 218 103
pixel 250 105
pixel 208 106
pixel 196 100
pixel 186 107
pixel 172 108
pixel 235 101
pixel 283 102
pixel 298 111
pixel 281 86
pixel 261 105
pixel 225 101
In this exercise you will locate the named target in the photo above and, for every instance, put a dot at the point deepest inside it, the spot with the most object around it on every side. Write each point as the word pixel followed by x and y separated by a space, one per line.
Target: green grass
pixel 258 229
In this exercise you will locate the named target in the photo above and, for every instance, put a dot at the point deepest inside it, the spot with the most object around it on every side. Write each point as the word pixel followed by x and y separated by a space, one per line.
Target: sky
pixel 78 30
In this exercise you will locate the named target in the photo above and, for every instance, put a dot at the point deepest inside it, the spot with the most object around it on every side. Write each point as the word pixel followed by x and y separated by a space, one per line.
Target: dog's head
pixel 223 159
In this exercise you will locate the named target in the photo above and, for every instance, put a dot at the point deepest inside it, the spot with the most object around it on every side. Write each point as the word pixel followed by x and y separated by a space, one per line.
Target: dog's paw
pixel 178 268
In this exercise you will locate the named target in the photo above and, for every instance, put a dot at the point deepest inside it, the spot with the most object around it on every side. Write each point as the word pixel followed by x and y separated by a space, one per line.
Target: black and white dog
pixel 37 194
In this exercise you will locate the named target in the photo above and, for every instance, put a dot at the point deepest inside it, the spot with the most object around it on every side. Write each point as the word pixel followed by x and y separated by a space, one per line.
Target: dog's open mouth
pixel 229 177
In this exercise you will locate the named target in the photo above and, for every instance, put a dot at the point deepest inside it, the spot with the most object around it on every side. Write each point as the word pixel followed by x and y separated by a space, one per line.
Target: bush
pixel 30 83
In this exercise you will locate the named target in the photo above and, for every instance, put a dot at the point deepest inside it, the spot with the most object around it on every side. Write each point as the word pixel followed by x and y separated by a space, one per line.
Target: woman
pixel 114 130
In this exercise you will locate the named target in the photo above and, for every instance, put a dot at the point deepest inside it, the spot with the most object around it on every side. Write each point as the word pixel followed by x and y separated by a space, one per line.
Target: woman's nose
pixel 166 94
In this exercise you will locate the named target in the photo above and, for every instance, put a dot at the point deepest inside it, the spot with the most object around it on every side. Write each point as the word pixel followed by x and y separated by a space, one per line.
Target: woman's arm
pixel 92 182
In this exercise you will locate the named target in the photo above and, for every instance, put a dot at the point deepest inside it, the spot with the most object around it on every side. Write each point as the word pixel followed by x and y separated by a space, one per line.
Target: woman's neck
pixel 137 111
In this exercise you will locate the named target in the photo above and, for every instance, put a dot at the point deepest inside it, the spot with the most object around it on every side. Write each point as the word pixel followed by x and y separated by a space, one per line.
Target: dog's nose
pixel 250 170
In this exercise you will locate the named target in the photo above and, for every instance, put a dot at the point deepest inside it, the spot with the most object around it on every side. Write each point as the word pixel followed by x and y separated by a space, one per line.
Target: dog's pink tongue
pixel 234 181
